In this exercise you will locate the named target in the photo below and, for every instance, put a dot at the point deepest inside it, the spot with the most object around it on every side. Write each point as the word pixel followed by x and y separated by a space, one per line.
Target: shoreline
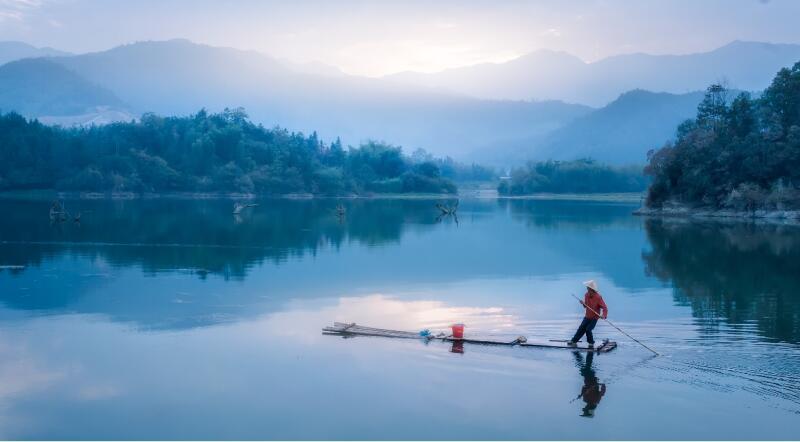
pixel 792 216
pixel 53 194
pixel 469 193
pixel 623 197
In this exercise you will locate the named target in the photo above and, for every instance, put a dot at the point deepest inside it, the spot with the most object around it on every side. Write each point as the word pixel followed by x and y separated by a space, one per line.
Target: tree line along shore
pixel 221 153
pixel 226 153
pixel 739 155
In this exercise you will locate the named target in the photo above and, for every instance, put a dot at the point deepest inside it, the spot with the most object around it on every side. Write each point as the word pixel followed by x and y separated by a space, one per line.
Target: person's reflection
pixel 457 347
pixel 592 390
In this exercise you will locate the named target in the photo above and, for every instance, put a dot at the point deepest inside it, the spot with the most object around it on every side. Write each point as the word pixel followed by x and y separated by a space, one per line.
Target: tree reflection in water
pixel 202 236
pixel 741 273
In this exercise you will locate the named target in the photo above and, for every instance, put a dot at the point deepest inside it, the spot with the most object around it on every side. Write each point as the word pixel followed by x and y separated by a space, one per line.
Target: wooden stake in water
pixel 612 324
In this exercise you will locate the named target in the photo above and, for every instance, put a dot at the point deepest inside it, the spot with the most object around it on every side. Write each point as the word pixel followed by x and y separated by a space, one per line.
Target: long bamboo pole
pixel 612 324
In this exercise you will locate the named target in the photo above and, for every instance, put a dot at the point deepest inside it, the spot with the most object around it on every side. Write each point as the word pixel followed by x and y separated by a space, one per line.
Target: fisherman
pixel 594 306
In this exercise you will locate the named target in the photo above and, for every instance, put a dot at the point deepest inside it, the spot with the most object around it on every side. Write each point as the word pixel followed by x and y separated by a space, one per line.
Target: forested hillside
pixel 740 154
pixel 204 152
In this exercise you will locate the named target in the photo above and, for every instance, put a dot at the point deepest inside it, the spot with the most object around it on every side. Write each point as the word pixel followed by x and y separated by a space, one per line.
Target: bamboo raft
pixel 349 330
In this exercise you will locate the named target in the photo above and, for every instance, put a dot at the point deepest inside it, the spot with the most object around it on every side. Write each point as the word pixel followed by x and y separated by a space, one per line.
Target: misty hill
pixel 623 131
pixel 40 87
pixel 16 50
pixel 620 133
pixel 548 75
pixel 178 77
pixel 96 116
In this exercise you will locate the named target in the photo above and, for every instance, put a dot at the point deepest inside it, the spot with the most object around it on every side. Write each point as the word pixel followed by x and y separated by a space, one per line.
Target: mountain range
pixel 620 133
pixel 469 113
pixel 549 75
pixel 632 124
pixel 179 77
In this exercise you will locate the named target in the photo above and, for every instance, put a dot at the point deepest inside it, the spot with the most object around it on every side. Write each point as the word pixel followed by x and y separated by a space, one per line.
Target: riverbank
pixel 475 192
pixel 690 212
pixel 626 197
pixel 471 192
pixel 52 194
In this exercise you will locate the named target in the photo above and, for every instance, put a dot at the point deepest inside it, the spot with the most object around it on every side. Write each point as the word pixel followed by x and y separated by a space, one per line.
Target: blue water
pixel 174 319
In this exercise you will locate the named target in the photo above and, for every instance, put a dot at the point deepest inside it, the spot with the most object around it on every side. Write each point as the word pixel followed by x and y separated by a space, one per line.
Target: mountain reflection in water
pixel 214 321
pixel 740 272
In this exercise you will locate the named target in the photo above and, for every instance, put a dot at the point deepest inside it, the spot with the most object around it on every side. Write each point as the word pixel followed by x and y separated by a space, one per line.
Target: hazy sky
pixel 381 37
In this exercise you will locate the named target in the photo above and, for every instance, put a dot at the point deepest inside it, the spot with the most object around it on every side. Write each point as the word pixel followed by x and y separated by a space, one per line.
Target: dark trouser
pixel 586 327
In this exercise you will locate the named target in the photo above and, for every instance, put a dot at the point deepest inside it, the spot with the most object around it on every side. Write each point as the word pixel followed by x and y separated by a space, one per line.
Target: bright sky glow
pixel 382 37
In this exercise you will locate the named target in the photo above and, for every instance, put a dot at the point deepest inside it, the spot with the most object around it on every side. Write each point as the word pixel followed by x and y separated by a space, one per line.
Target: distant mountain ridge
pixel 623 131
pixel 17 50
pixel 39 87
pixel 178 77
pixel 547 75
pixel 181 77
pixel 620 133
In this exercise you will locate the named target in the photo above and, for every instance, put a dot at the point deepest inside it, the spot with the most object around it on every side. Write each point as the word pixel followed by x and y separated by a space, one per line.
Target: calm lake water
pixel 170 318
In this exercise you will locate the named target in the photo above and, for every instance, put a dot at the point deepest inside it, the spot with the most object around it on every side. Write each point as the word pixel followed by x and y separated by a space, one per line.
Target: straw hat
pixel 590 284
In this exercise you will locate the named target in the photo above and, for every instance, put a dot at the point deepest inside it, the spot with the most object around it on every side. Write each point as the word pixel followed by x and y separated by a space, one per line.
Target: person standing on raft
pixel 594 305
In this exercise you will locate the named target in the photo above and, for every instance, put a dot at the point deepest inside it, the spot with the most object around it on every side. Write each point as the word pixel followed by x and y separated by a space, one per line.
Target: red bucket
pixel 458 331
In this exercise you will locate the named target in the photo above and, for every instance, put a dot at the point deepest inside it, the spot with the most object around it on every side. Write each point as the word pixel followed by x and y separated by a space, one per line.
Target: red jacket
pixel 596 303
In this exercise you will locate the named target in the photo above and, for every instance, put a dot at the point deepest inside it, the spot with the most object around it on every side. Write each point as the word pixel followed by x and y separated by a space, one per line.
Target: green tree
pixel 222 152
pixel 742 156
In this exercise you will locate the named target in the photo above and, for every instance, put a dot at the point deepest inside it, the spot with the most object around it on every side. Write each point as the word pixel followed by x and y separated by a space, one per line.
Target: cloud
pixel 22 373
pixel 10 15
pixel 17 10
pixel 20 5
pixel 389 311
pixel 552 32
